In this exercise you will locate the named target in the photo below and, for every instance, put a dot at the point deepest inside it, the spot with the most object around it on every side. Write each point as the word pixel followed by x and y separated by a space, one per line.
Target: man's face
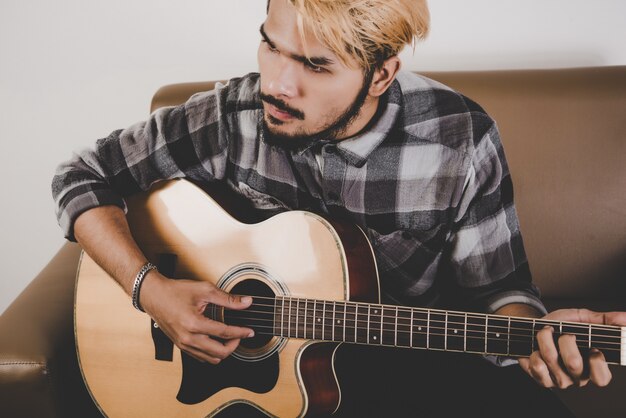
pixel 304 102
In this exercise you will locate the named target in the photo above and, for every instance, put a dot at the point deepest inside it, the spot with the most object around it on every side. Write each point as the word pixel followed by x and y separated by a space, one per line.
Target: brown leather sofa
pixel 564 133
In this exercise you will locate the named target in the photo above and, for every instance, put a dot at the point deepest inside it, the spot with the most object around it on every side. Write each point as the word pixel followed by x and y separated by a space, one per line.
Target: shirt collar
pixel 357 149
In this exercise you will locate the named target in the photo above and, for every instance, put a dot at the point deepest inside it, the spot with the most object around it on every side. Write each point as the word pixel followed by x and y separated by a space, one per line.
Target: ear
pixel 384 76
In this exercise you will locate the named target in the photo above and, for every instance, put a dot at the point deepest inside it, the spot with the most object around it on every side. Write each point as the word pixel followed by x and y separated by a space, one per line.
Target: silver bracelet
pixel 137 284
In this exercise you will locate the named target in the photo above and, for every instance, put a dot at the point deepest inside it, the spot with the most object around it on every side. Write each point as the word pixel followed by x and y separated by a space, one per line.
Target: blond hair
pixel 368 31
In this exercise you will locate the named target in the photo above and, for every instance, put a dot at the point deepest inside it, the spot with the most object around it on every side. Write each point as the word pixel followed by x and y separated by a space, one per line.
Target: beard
pixel 301 140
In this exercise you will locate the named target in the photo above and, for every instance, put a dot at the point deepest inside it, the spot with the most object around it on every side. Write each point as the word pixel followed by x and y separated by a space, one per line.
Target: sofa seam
pixel 22 363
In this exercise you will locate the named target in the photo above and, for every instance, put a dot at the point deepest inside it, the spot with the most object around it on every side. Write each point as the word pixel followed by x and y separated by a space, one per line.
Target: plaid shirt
pixel 428 182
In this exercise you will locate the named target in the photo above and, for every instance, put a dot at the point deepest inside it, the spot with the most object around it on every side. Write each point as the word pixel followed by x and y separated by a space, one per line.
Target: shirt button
pixel 407 235
pixel 333 195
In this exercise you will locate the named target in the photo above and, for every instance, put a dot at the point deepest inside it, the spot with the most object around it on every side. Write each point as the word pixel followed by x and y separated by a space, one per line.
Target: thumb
pixel 230 301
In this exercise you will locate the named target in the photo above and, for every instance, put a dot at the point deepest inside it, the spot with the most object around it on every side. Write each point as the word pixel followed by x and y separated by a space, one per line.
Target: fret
pixel 304 319
pixel 309 321
pixel 508 336
pixel 411 339
pixel 291 319
pixel 340 319
pixel 521 337
pixel 486 335
pixel 455 332
pixel 445 333
pixel 278 317
pixel 419 334
pixel 350 323
pixel 375 325
pixel 428 330
pixel 497 337
pixel 297 316
pixel 404 319
pixel 362 320
pixel 475 333
pixel 437 330
pixel 389 326
pixel 465 332
pixel 333 322
pixel 608 341
pixel 395 342
pixel 317 328
pixel 328 322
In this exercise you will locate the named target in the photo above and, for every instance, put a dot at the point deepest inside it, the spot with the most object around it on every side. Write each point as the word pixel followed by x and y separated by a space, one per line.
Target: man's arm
pixel 176 305
pixel 89 192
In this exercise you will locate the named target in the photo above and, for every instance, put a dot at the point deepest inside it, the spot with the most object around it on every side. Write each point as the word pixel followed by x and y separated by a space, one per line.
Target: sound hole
pixel 259 316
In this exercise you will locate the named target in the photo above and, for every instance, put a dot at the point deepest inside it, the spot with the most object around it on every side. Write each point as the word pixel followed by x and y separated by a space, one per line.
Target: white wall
pixel 72 71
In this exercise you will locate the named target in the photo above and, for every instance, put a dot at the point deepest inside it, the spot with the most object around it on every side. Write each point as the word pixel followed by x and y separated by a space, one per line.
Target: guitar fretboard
pixel 397 326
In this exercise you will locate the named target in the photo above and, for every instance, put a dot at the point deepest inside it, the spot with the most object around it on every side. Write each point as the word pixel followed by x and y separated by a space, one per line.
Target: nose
pixel 284 80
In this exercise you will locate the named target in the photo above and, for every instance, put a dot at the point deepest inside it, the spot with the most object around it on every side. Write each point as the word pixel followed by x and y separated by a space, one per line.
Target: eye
pixel 314 68
pixel 270 47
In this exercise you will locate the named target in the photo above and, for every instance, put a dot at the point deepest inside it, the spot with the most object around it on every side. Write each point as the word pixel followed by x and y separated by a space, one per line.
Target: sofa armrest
pixel 39 372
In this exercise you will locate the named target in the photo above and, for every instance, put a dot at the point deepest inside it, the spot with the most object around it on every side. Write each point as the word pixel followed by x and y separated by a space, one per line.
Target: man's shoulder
pixel 436 112
pixel 236 94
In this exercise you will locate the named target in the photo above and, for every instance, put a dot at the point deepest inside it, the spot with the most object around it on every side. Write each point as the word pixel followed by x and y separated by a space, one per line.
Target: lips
pixel 279 114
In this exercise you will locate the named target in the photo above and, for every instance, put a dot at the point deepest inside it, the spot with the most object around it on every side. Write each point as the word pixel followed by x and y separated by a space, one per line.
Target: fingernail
pixel 246 299
pixel 251 334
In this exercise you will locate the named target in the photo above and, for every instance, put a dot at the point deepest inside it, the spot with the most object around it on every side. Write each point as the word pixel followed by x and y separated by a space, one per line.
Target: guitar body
pixel 131 369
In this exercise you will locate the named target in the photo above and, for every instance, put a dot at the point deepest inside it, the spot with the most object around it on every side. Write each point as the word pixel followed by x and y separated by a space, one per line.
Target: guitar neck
pixel 420 328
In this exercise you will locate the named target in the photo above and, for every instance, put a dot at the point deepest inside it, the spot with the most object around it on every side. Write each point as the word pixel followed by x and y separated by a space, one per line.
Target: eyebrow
pixel 321 61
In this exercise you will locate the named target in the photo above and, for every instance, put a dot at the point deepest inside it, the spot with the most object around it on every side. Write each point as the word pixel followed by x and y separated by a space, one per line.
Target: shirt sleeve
pixel 488 261
pixel 184 141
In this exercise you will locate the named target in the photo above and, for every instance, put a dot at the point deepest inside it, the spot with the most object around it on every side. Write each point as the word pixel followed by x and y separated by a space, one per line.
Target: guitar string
pixel 492 327
pixel 286 328
pixel 450 348
pixel 473 315
pixel 429 348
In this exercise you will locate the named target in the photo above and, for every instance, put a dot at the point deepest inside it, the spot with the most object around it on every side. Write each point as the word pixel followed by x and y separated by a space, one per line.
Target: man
pixel 332 125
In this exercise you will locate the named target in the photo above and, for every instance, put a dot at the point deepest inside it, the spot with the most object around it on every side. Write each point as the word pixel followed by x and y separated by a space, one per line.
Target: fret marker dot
pixel 497 334
pixel 419 328
pixel 456 331
pixel 374 337
pixel 375 311
pixel 338 321
pixel 319 320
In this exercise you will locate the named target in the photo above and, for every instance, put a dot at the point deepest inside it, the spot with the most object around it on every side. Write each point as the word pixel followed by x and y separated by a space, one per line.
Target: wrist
pixel 138 283
pixel 150 288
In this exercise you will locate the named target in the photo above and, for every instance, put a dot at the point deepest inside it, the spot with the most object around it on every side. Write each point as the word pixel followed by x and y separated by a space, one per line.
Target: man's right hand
pixel 177 306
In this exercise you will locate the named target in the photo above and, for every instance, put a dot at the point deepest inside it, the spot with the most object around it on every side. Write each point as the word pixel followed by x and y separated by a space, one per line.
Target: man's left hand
pixel 562 365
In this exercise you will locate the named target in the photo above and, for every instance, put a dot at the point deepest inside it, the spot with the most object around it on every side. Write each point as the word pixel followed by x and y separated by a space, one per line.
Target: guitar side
pixel 295 253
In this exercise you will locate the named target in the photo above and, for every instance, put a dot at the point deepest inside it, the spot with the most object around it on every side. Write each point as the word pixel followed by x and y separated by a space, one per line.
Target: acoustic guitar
pixel 314 285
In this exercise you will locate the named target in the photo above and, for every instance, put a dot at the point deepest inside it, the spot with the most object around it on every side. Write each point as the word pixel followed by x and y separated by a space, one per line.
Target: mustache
pixel 282 106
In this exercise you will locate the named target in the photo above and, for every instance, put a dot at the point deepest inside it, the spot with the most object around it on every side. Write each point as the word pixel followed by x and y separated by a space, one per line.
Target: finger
pixel 524 363
pixel 550 356
pixel 210 349
pixel 200 355
pixel 230 301
pixel 598 368
pixel 539 370
pixel 607 318
pixel 570 354
pixel 218 329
